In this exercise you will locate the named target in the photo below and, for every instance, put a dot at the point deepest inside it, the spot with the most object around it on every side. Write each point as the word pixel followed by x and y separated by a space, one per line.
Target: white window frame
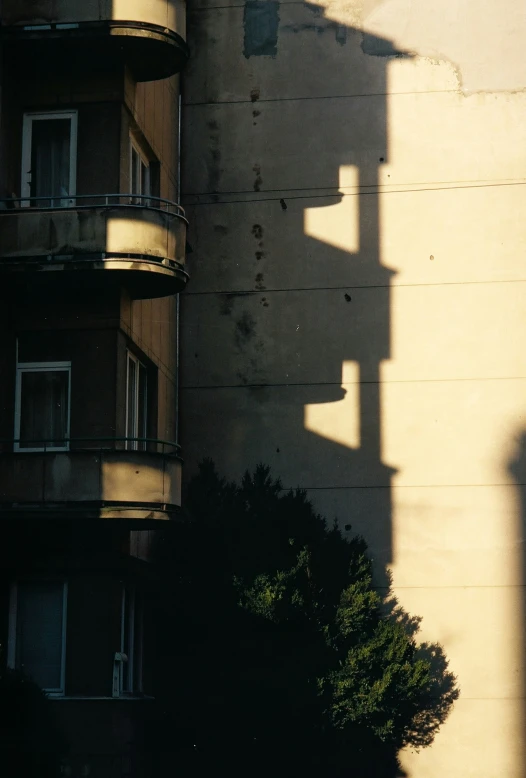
pixel 133 445
pixel 134 146
pixel 12 633
pixel 27 140
pixel 42 367
pixel 134 656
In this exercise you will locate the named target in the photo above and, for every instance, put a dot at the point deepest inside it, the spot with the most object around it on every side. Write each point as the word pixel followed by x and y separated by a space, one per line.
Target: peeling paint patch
pixel 213 158
pixel 257 232
pixel 378 47
pixel 341 34
pixel 258 180
pixel 227 304
pixel 245 329
pixel 260 23
pixel 340 30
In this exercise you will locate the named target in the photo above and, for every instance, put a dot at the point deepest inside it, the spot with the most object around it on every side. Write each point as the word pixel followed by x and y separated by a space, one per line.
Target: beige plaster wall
pixel 356 313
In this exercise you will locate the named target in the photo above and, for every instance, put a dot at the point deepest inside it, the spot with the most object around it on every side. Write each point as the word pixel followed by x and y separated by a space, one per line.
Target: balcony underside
pixel 143 278
pixel 152 52
pixel 139 248
pixel 90 484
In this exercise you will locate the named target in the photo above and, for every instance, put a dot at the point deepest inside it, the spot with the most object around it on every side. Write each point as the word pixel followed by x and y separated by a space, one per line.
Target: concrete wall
pixel 354 180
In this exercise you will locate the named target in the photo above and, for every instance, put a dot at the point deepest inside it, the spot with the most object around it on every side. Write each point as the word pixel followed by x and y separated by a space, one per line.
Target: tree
pixel 289 661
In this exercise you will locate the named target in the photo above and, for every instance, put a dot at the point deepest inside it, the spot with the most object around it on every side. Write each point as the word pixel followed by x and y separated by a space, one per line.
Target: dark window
pixel 42 406
pixel 37 632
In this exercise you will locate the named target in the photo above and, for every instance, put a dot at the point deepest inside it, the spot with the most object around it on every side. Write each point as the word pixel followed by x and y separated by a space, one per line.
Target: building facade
pixel 92 258
pixel 354 176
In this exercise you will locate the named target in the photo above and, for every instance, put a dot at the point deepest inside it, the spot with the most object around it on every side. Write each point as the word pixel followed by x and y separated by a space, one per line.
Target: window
pixel 42 406
pixel 49 158
pixel 37 632
pixel 136 403
pixel 139 172
pixel 141 544
pixel 131 641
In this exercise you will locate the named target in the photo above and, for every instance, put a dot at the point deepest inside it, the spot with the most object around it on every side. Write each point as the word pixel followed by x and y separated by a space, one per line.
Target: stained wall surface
pixel 355 181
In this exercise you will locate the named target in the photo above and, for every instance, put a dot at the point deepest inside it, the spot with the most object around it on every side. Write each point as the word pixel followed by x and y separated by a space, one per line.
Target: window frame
pixel 12 630
pixel 128 647
pixel 135 445
pixel 142 159
pixel 39 367
pixel 27 144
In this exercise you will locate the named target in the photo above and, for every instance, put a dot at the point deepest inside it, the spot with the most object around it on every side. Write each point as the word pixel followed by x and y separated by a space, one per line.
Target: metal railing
pixel 83 202
pixel 128 444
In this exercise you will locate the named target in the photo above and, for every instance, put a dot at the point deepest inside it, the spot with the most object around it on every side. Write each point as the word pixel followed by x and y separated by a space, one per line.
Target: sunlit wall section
pixel 454 390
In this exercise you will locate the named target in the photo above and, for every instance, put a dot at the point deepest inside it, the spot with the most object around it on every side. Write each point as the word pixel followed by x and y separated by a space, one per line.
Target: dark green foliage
pixel 30 742
pixel 289 661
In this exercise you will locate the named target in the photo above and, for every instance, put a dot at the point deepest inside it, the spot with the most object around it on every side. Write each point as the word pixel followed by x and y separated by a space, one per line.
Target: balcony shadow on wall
pixel 298 376
pixel 304 317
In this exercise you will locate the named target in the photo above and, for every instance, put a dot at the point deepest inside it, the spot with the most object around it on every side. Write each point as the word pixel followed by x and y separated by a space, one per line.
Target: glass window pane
pixel 131 421
pixel 50 159
pixel 132 640
pixel 128 630
pixel 138 643
pixel 145 179
pixel 142 400
pixel 134 172
pixel 43 408
pixel 39 632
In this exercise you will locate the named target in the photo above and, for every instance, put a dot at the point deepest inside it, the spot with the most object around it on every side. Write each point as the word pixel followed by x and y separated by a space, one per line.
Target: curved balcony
pixel 146 35
pixel 103 478
pixel 135 241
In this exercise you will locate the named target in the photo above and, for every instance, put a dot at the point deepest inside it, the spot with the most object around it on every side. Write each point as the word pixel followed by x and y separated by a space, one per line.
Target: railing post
pixel 44 461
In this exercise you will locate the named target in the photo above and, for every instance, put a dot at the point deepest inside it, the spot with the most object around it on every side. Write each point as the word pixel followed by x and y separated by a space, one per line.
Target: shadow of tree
pixel 442 690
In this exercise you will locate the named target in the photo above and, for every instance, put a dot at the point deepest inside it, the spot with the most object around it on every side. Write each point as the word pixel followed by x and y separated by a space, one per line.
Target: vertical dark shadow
pixel 516 467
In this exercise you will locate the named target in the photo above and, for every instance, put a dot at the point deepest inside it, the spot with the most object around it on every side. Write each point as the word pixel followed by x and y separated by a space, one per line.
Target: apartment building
pixel 354 179
pixel 92 258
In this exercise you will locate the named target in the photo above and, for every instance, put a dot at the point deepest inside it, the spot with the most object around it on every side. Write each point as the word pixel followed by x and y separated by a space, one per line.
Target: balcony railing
pixel 87 201
pixel 142 235
pixel 125 478
pixel 148 35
